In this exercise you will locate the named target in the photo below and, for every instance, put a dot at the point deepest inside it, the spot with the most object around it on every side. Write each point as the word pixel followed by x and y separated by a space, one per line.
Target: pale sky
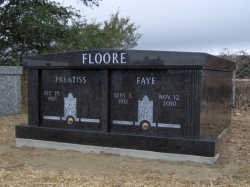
pixel 180 25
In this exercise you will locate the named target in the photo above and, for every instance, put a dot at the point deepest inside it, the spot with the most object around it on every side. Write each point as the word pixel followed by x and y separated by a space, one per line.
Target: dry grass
pixel 7 126
pixel 27 176
pixel 234 164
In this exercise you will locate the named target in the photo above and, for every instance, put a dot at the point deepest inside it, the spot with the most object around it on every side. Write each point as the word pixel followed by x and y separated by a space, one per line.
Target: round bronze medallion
pixel 145 126
pixel 70 120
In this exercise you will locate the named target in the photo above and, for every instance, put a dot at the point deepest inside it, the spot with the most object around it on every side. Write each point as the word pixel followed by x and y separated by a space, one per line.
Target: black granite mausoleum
pixel 153 101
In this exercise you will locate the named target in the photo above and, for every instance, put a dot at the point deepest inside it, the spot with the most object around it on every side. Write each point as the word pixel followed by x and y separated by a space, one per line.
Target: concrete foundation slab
pixel 20 142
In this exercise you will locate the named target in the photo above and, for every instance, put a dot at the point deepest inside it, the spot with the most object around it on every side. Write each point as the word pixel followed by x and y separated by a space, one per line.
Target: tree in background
pixel 40 26
pixel 118 32
pixel 90 3
pixel 242 59
pixel 31 27
pixel 114 33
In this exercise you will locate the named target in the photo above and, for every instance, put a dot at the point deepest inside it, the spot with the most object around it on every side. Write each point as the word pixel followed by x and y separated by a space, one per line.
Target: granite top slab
pixel 118 58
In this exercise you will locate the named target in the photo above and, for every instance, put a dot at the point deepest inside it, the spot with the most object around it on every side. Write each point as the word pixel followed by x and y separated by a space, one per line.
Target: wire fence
pixel 242 94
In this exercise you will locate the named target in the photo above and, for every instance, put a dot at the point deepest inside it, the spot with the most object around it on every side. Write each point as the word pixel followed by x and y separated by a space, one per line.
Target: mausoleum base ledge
pixel 21 142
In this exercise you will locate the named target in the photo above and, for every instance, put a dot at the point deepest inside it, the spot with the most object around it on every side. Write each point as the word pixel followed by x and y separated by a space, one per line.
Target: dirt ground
pixel 44 167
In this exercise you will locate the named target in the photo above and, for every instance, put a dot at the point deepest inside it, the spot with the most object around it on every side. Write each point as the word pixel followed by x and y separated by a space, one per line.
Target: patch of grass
pixel 28 176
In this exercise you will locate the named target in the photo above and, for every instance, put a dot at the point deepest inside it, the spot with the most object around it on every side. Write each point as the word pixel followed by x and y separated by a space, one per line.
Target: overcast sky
pixel 181 25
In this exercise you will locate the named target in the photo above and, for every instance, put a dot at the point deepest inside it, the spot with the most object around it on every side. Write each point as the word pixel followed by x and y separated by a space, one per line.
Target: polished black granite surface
pixel 201 147
pixel 116 58
pixel 216 102
pixel 159 101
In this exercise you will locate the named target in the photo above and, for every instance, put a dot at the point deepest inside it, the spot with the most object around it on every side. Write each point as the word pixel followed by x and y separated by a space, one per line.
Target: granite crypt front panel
pixel 148 102
pixel 71 99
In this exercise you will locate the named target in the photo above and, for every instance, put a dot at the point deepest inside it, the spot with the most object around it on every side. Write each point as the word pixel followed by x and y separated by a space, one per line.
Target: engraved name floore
pixel 106 58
